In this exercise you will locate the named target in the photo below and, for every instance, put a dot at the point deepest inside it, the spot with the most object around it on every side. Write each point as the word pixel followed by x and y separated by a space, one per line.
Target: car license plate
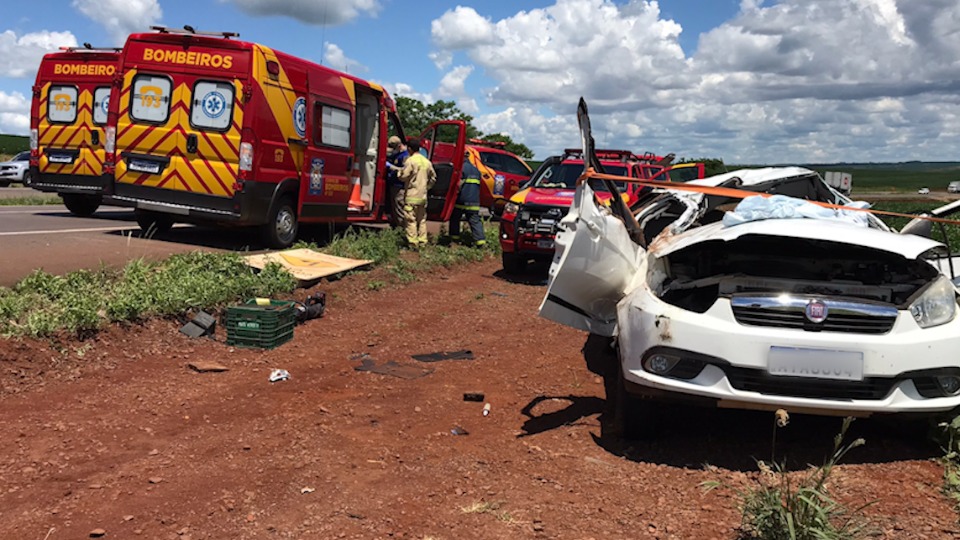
pixel 545 244
pixel 60 158
pixel 149 167
pixel 815 363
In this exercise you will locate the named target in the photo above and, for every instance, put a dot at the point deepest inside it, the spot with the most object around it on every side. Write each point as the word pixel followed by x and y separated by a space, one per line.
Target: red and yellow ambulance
pixel 208 128
pixel 67 120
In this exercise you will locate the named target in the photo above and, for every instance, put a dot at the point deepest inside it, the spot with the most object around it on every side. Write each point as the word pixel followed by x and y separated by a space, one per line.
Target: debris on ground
pixel 207 366
pixel 486 409
pixel 441 356
pixel 500 294
pixel 279 375
pixel 202 324
pixel 305 264
pixel 312 308
pixel 392 368
pixel 473 396
pixel 304 491
pixel 459 431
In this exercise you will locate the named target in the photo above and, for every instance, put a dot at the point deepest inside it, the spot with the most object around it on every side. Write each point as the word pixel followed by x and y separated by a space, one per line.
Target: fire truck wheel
pixel 280 231
pixel 513 263
pixel 81 205
pixel 152 223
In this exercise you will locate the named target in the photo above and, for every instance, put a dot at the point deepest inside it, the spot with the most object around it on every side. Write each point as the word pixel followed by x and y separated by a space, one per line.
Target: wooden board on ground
pixel 306 264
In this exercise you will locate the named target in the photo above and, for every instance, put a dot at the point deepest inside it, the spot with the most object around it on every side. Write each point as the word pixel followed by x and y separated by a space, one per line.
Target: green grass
pixel 35 200
pixel 948 234
pixel 84 301
pixel 386 246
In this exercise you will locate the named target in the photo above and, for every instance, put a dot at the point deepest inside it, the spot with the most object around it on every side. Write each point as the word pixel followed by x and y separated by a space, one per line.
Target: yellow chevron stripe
pixel 351 89
pixel 280 98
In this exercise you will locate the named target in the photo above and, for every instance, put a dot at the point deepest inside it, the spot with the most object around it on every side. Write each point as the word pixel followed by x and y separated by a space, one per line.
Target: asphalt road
pixel 50 238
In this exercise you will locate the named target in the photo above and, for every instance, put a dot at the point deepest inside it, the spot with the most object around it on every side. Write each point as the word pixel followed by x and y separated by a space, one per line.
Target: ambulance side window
pixel 331 126
pixel 150 99
pixel 101 100
pixel 212 106
pixel 62 104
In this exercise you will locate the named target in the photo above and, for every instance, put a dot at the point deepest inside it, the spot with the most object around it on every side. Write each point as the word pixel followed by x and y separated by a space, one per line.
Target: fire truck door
pixel 444 143
pixel 326 186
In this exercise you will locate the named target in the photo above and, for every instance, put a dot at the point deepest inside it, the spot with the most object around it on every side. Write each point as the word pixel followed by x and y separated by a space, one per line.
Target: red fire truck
pixel 206 128
pixel 67 118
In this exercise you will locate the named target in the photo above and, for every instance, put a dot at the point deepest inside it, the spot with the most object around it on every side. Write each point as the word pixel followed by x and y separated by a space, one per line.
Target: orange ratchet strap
pixel 741 194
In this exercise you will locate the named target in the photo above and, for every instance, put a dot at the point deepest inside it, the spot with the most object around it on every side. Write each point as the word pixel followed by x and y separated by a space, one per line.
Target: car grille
pixel 754 380
pixel 790 312
pixel 540 219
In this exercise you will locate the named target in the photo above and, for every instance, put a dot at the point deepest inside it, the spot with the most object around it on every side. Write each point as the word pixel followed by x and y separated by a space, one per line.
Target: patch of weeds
pixel 375 285
pixel 489 507
pixel 781 507
pixel 951 461
pixel 478 296
pixel 32 200
pixel 81 302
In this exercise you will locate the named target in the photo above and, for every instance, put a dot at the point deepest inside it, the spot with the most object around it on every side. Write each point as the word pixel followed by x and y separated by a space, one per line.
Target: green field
pixel 11 144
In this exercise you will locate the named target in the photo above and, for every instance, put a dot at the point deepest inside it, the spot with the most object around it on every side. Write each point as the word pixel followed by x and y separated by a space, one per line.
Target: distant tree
pixel 519 149
pixel 416 115
pixel 711 166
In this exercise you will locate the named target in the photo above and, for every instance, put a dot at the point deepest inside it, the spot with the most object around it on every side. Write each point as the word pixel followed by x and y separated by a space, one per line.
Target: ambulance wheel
pixel 514 263
pixel 81 205
pixel 152 223
pixel 280 230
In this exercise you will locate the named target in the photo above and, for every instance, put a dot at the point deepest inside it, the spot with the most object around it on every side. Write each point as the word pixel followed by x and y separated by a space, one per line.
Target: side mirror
pixel 918 227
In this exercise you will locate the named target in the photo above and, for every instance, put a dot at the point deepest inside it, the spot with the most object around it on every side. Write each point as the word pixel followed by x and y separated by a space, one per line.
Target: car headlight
pixel 937 305
pixel 511 208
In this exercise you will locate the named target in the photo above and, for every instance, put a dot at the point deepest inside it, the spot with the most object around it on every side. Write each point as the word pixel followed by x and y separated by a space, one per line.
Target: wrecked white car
pixel 781 304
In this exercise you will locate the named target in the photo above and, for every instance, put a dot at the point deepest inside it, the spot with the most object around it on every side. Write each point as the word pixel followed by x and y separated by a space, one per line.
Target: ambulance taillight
pixel 110 144
pixel 246 159
pixel 34 141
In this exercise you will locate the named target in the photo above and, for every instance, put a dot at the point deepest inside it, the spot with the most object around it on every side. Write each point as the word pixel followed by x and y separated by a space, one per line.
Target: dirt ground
pixel 116 433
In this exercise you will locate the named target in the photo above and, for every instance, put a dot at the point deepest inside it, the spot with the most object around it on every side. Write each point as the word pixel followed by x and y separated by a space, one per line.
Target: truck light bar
pixel 187 29
pixel 491 144
pixel 622 155
pixel 90 48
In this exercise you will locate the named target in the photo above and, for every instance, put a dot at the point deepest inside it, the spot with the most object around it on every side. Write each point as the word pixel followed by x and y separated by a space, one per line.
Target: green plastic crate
pixel 262 327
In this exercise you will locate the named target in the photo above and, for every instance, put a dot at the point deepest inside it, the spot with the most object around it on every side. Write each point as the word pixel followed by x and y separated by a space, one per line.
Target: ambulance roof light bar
pixel 90 48
pixel 187 29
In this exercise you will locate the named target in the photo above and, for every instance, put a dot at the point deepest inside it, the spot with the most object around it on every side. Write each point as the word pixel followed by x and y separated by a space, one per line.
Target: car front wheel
pixel 633 418
pixel 27 179
pixel 514 263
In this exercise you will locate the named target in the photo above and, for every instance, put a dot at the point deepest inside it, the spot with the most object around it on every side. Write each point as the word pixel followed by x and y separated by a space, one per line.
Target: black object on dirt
pixel 202 324
pixel 312 308
pixel 473 396
pixel 393 369
pixel 459 431
pixel 440 356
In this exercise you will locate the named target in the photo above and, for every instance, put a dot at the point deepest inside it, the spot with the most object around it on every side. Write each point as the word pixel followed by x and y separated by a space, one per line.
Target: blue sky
pixel 748 81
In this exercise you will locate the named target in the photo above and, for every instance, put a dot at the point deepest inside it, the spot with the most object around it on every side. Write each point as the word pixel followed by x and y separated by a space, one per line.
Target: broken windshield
pixel 564 176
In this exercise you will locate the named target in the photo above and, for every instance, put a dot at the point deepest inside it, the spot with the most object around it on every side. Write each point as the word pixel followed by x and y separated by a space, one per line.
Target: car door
pixel 444 143
pixel 594 264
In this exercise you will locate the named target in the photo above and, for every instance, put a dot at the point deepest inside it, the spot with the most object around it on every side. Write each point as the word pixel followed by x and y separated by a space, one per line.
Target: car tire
pixel 81 205
pixel 633 418
pixel 153 223
pixel 280 230
pixel 514 263
pixel 27 179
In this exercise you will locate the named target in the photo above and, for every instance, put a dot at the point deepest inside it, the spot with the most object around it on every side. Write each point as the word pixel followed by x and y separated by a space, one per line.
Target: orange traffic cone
pixel 357 203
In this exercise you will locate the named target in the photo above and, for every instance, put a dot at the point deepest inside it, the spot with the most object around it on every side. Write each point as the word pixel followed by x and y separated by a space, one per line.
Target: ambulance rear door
pixel 444 144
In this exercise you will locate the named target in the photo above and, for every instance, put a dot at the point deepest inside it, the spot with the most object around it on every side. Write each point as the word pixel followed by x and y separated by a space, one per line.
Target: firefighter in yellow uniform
pixel 418 177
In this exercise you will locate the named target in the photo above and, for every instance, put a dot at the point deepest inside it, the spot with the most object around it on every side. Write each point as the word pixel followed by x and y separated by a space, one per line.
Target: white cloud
pixel 407 90
pixel 121 17
pixel 20 56
pixel 14 113
pixel 462 28
pixel 320 12
pixel 334 57
pixel 453 86
pixel 782 81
